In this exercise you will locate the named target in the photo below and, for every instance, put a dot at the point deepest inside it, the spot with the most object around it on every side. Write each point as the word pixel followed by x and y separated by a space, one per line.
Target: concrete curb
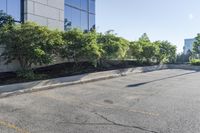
pixel 20 88
pixel 184 66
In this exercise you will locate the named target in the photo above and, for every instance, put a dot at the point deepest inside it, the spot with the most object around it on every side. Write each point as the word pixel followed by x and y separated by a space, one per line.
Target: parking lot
pixel 165 101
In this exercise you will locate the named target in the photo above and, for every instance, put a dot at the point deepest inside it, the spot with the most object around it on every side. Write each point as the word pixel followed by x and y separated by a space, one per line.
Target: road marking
pixel 12 126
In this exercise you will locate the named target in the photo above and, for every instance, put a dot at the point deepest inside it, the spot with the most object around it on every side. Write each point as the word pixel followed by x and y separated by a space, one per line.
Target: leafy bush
pixel 135 51
pixel 6 19
pixel 166 52
pixel 80 46
pixel 29 44
pixel 195 62
pixel 26 74
pixel 113 47
pixel 196 45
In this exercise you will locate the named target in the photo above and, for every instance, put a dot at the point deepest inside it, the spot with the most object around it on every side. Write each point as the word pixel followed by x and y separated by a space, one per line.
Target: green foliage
pixel 26 74
pixel 145 50
pixel 113 47
pixel 5 19
pixel 80 46
pixel 193 56
pixel 166 53
pixel 149 49
pixel 144 38
pixel 29 44
pixel 135 51
pixel 195 62
pixel 196 45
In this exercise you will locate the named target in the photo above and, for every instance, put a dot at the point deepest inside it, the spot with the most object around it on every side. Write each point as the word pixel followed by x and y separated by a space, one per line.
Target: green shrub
pixel 30 75
pixel 166 52
pixel 195 62
pixel 6 19
pixel 80 46
pixel 135 51
pixel 29 44
pixel 26 74
pixel 112 46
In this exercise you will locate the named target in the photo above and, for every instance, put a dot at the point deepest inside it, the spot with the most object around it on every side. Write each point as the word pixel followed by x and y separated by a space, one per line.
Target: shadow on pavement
pixel 143 83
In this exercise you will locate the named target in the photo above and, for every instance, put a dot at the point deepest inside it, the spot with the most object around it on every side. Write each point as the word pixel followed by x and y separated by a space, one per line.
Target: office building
pixel 56 14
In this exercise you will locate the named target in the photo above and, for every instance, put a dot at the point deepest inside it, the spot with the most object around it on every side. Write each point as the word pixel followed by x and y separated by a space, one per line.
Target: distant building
pixel 188 46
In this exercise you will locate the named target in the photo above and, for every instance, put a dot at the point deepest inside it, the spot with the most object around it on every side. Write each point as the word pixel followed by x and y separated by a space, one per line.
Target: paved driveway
pixel 166 101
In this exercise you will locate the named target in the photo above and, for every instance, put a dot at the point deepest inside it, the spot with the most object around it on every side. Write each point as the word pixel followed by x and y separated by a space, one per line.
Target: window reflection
pixel 11 7
pixel 75 3
pixel 84 20
pixel 80 14
pixel 91 21
pixel 92 6
pixel 76 18
pixel 84 5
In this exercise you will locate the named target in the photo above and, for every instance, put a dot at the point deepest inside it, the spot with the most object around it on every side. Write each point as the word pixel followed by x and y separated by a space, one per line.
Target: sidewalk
pixel 20 88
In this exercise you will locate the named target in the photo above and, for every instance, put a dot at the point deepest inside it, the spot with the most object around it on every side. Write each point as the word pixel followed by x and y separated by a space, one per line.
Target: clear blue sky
pixel 172 20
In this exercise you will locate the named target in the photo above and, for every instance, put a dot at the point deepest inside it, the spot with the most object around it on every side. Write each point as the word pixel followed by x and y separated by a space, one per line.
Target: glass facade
pixel 11 7
pixel 188 45
pixel 80 14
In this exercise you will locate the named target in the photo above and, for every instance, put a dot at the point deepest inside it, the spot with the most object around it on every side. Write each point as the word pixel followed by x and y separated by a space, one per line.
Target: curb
pixel 22 88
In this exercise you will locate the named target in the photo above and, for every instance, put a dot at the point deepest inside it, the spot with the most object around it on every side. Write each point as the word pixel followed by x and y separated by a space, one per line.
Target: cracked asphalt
pixel 166 101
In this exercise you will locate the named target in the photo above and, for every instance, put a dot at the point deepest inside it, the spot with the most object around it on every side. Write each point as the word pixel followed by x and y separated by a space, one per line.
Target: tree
pixel 183 58
pixel 80 46
pixel 135 51
pixel 113 47
pixel 144 38
pixel 172 54
pixel 166 53
pixel 29 44
pixel 149 50
pixel 196 45
pixel 5 19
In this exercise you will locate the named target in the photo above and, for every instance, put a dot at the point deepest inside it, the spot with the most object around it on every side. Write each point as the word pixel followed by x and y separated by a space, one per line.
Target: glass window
pixel 91 21
pixel 75 3
pixel 68 18
pixel 11 7
pixel 77 14
pixel 92 6
pixel 84 4
pixel 14 8
pixel 84 20
pixel 68 2
pixel 76 18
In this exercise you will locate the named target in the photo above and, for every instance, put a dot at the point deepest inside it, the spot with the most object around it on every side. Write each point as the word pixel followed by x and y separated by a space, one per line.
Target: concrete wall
pixel 45 12
pixel 10 67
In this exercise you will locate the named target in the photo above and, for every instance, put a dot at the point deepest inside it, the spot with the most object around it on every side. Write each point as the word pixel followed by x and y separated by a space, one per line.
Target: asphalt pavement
pixel 165 101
